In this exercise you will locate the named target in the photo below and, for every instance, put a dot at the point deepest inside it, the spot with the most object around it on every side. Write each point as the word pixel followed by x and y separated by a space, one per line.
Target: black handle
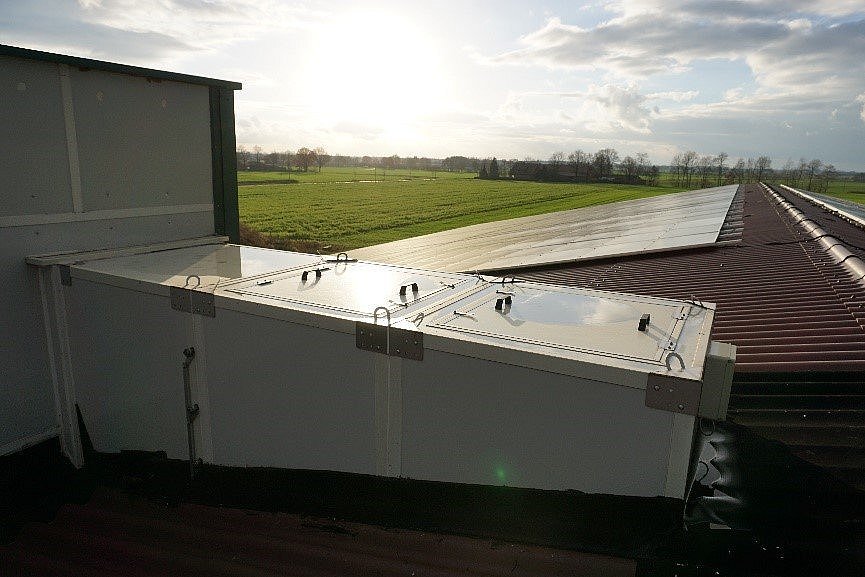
pixel 644 322
pixel 404 288
pixel 503 301
pixel 305 274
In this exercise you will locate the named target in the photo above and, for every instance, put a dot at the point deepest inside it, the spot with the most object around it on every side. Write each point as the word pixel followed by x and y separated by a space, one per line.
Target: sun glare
pixel 376 69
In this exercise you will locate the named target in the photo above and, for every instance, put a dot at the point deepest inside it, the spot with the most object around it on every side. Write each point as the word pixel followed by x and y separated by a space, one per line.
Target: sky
pixel 510 79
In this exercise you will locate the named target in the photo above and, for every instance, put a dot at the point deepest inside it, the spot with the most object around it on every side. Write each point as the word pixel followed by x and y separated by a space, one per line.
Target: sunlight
pixel 378 69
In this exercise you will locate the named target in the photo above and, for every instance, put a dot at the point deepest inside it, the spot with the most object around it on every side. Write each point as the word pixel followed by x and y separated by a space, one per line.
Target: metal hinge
pixel 388 340
pixel 192 301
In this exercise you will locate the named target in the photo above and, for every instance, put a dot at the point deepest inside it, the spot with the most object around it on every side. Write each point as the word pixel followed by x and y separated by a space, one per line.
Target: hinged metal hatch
pixel 355 288
pixel 617 325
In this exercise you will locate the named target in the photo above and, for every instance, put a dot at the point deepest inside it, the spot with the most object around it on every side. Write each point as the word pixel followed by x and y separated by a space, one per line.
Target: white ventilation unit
pixel 309 362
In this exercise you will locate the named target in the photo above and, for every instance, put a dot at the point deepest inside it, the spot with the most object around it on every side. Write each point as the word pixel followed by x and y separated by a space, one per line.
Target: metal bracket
pixel 673 394
pixel 192 301
pixel 391 341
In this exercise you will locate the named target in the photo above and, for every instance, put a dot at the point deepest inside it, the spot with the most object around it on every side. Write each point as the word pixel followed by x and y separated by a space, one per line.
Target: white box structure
pixel 328 363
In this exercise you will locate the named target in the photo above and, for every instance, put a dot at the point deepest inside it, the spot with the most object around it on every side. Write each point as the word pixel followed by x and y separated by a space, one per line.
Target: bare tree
pixel 642 163
pixel 719 161
pixel 579 162
pixel 652 175
pixel 304 157
pixel 813 168
pixel 737 173
pixel 688 160
pixel 243 157
pixel 703 167
pixel 763 166
pixel 321 157
pixel 604 162
pixel 629 168
pixel 789 173
pixel 825 177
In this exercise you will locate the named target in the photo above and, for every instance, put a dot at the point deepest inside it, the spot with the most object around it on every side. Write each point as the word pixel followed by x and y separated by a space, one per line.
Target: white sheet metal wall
pixel 91 160
pixel 468 420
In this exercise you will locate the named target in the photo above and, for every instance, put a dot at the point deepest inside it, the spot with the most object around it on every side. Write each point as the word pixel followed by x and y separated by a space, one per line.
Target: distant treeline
pixel 687 169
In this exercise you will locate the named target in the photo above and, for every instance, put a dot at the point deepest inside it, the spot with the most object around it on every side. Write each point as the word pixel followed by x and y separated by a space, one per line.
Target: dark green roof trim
pixel 87 63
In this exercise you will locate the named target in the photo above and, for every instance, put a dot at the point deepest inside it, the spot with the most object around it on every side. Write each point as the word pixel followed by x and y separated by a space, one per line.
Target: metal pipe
pixel 192 409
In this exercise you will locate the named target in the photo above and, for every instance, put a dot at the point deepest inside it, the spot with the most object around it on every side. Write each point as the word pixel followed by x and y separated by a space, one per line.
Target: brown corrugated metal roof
pixel 782 299
pixel 116 534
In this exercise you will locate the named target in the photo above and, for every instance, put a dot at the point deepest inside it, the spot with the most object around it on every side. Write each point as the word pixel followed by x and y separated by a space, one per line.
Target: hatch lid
pixel 600 323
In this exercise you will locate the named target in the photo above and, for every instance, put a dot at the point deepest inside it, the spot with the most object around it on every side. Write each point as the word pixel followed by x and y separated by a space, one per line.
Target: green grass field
pixel 332 209
pixel 853 191
pixel 337 175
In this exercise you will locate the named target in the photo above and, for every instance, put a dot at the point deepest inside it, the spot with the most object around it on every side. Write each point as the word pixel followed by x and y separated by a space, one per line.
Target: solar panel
pixel 658 223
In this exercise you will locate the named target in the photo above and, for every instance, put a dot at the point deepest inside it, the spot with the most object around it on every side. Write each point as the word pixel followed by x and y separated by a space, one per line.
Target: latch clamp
pixel 192 301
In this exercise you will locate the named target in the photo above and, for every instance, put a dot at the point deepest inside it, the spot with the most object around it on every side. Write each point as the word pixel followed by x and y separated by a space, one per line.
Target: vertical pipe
pixel 191 408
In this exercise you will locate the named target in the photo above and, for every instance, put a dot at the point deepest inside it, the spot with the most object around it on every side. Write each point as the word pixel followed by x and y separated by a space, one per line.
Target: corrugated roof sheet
pixel 782 299
pixel 117 534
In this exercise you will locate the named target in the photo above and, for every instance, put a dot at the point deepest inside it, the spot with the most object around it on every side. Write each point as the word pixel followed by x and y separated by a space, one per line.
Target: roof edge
pixel 87 63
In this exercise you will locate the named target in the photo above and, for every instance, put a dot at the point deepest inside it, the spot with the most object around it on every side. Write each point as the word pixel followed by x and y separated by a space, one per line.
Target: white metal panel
pixel 355 289
pixel 287 395
pixel 656 223
pixel 468 420
pixel 588 321
pixel 573 331
pixel 127 350
pixel 141 143
pixel 210 263
pixel 27 405
pixel 33 167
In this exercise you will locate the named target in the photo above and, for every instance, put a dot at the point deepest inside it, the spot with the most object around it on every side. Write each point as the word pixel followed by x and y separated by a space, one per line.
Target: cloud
pixel 803 57
pixel 358 130
pixel 143 32
pixel 861 100
pixel 613 107
pixel 674 95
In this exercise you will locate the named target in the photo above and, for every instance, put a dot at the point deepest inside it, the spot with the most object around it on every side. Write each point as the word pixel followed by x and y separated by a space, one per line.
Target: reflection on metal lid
pixel 355 289
pixel 210 263
pixel 584 321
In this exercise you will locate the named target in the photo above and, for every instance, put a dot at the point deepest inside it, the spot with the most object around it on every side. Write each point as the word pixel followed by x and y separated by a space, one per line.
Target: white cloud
pixel 674 95
pixel 617 107
pixel 145 32
pixel 800 57
pixel 861 100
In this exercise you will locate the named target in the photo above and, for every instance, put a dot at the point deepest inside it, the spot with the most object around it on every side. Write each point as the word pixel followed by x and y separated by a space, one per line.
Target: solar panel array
pixel 645 225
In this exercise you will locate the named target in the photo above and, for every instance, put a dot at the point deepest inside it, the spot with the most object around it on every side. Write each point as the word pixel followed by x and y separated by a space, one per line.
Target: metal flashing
pixel 90 64
pixel 226 219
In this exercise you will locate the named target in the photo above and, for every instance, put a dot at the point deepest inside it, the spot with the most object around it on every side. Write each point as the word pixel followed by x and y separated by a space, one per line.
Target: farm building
pixel 163 387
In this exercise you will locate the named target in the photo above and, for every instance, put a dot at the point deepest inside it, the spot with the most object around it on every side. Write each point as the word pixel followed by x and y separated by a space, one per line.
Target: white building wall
pixel 90 160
